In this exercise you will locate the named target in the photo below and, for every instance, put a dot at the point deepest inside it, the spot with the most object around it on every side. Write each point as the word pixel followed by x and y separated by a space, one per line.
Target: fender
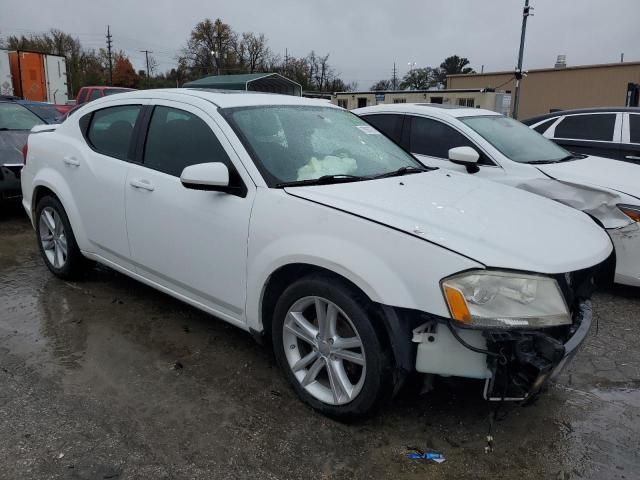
pixel 391 267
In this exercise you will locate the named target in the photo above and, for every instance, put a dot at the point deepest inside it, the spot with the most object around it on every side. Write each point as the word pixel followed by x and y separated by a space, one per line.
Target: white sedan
pixel 491 146
pixel 297 221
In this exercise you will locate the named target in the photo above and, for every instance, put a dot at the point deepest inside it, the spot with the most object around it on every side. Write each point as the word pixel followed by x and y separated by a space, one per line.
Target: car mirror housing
pixel 466 156
pixel 212 176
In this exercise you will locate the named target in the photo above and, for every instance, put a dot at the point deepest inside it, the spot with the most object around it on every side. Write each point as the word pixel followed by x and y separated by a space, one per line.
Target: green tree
pixel 381 85
pixel 420 79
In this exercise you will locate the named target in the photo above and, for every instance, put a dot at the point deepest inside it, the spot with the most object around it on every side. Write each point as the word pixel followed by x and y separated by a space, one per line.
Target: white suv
pixel 297 221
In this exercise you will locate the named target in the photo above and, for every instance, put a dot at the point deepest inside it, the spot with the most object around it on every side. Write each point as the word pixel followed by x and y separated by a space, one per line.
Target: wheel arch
pixel 44 185
pixel 392 325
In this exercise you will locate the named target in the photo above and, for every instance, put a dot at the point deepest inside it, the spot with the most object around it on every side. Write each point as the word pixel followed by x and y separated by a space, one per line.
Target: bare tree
pixel 211 46
pixel 253 51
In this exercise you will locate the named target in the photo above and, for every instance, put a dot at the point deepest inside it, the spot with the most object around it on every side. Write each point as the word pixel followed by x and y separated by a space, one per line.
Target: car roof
pixel 220 98
pixel 559 113
pixel 105 87
pixel 429 109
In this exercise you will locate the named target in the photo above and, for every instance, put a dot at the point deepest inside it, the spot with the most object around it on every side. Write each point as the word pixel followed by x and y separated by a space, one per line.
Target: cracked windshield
pixel 294 143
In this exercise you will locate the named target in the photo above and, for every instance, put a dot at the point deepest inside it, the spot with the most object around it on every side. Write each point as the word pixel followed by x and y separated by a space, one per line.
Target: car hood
pixel 11 143
pixel 597 171
pixel 493 224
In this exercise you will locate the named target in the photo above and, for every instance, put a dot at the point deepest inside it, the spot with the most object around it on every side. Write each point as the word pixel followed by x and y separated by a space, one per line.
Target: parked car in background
pixel 295 220
pixel 48 112
pixel 498 148
pixel 15 123
pixel 88 94
pixel 605 132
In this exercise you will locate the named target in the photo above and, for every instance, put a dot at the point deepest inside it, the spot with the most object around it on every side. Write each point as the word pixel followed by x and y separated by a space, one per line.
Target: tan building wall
pixel 471 98
pixel 562 88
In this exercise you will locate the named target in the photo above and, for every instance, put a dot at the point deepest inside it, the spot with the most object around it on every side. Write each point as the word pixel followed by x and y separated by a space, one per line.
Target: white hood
pixel 493 224
pixel 600 172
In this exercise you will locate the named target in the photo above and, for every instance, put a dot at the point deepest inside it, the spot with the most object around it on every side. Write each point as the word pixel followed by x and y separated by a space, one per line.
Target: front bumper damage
pixel 514 363
pixel 525 360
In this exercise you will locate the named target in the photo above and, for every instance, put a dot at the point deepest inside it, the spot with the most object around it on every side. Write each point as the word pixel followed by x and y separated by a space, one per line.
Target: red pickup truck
pixel 86 94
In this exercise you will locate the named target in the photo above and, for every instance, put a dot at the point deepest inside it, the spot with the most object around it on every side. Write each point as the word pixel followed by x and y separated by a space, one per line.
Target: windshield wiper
pixel 323 180
pixel 407 170
pixel 569 157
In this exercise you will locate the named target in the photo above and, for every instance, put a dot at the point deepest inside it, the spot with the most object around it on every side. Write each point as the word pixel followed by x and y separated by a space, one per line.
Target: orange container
pixel 27 71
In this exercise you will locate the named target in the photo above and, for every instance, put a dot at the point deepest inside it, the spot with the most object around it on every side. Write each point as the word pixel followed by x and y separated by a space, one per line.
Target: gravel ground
pixel 106 378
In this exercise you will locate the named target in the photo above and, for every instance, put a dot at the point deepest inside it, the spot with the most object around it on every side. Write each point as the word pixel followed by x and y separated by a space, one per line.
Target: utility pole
pixel 622 57
pixel 518 72
pixel 146 55
pixel 109 42
pixel 394 78
pixel 286 61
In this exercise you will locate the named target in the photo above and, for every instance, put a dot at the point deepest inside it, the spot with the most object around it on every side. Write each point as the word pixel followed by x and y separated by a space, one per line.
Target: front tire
pixel 56 241
pixel 328 348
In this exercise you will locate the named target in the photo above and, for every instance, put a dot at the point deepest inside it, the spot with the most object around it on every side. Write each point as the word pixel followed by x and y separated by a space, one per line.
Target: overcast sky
pixel 364 39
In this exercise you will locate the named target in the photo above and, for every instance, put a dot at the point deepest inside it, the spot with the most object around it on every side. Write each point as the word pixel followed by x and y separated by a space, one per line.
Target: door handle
pixel 632 157
pixel 72 161
pixel 142 185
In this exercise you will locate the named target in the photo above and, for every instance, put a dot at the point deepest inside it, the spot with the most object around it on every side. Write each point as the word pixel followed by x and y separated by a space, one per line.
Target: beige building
pixel 470 97
pixel 561 88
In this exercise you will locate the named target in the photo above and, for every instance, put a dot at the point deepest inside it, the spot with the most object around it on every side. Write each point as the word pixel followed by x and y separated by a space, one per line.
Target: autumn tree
pixel 124 75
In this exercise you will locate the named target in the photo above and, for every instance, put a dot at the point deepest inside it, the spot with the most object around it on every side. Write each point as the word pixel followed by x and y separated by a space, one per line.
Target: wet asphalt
pixel 108 379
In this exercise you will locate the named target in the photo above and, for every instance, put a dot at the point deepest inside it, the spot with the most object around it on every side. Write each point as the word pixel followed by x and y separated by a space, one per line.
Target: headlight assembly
pixel 495 299
pixel 631 211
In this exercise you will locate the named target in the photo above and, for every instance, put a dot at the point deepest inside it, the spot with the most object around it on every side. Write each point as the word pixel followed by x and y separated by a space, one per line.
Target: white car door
pixel 191 242
pixel 431 139
pixel 96 172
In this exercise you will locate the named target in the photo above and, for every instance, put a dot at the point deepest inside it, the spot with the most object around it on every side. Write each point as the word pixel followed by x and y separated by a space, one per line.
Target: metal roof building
pixel 255 82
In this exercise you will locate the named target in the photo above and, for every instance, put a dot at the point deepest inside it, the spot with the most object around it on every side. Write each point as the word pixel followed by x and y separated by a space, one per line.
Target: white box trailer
pixel 6 85
pixel 55 69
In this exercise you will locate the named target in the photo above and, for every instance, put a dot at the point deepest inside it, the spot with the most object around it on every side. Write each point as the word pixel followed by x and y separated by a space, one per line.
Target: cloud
pixel 364 38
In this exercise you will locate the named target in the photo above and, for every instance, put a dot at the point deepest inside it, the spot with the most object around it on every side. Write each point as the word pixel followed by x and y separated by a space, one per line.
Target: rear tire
pixel 328 348
pixel 56 241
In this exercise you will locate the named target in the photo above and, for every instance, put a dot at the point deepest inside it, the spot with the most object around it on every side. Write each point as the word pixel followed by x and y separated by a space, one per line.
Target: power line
pixel 146 55
pixel 518 74
pixel 109 42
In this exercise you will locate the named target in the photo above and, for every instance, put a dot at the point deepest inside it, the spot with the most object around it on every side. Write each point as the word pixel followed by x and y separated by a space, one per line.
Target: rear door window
pixel 177 139
pixel 111 129
pixel 587 127
pixel 389 124
pixel 634 128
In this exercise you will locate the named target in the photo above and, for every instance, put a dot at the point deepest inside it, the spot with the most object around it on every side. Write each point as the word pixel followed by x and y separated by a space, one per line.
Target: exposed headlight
pixel 495 299
pixel 631 211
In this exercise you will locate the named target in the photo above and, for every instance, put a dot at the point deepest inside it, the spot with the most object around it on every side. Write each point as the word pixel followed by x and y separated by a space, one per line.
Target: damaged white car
pixel 300 223
pixel 501 149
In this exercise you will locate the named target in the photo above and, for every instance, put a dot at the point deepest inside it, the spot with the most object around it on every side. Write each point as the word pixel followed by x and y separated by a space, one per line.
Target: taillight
pixel 25 150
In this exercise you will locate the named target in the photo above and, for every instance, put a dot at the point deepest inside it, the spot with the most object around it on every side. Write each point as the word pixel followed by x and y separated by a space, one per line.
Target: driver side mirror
pixel 466 156
pixel 212 176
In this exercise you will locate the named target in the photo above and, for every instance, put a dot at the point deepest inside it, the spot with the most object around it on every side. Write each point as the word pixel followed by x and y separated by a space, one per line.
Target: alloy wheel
pixel 324 350
pixel 52 237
